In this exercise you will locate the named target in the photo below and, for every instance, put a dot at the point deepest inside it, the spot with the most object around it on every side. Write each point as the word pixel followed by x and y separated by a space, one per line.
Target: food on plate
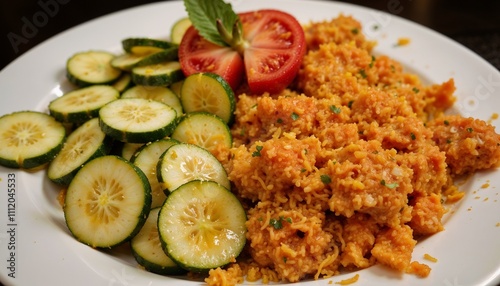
pixel 107 202
pixel 268 151
pixel 350 165
pixel 264 47
pixel 29 139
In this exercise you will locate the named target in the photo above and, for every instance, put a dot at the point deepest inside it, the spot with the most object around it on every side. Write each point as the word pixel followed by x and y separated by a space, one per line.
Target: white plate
pixel 468 251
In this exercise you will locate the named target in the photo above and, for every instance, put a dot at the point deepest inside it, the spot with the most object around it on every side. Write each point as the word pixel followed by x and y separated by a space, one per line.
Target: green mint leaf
pixel 204 15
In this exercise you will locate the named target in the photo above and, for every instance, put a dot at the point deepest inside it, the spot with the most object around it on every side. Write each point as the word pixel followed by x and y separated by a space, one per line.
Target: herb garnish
pixel 390 185
pixel 326 179
pixel 278 223
pixel 335 109
pixel 257 153
pixel 216 21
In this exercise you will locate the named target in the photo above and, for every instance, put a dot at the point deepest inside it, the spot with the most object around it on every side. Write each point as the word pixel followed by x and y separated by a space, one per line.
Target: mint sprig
pixel 216 22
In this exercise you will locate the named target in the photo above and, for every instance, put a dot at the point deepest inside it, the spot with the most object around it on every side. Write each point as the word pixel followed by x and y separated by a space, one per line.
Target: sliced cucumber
pixel 147 250
pixel 162 74
pixel 203 129
pixel 184 162
pixel 107 202
pixel 128 150
pixel 176 87
pixel 158 93
pixel 146 158
pixel 29 139
pixel 123 83
pixel 202 226
pixel 137 120
pixel 82 145
pixel 91 67
pixel 145 45
pixel 128 61
pixel 179 29
pixel 210 93
pixel 80 105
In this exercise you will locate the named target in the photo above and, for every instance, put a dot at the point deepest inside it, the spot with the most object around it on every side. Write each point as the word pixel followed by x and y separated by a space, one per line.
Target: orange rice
pixel 347 167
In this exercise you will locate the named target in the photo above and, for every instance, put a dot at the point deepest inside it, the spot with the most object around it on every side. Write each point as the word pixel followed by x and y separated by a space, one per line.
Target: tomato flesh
pixel 199 55
pixel 274 48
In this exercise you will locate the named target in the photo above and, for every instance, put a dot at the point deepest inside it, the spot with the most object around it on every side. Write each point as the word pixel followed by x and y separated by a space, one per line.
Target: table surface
pixel 475 24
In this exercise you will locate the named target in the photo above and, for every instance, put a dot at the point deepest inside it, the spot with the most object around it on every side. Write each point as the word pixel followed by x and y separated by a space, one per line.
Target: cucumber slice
pixel 202 226
pixel 148 252
pixel 107 202
pixel 91 67
pixel 145 45
pixel 184 162
pixel 128 150
pixel 179 29
pixel 158 93
pixel 203 129
pixel 162 74
pixel 176 87
pixel 146 158
pixel 82 145
pixel 210 93
pixel 123 83
pixel 80 105
pixel 128 61
pixel 29 139
pixel 137 120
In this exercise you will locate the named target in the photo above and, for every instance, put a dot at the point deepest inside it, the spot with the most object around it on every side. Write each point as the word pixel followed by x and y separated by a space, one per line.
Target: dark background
pixel 475 24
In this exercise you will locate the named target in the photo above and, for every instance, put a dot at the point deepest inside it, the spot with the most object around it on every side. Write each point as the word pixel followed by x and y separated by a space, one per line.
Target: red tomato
pixel 199 55
pixel 275 46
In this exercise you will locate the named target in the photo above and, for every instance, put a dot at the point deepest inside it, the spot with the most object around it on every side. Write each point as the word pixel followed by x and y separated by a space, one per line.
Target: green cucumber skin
pixel 158 269
pixel 138 137
pixel 103 150
pixel 231 98
pixel 166 247
pixel 159 167
pixel 82 83
pixel 139 255
pixel 37 161
pixel 189 116
pixel 141 217
pixel 80 117
pixel 158 80
pixel 128 43
pixel 170 54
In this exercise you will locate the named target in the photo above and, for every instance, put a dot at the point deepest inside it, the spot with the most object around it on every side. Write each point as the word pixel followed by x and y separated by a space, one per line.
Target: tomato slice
pixel 199 55
pixel 274 48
